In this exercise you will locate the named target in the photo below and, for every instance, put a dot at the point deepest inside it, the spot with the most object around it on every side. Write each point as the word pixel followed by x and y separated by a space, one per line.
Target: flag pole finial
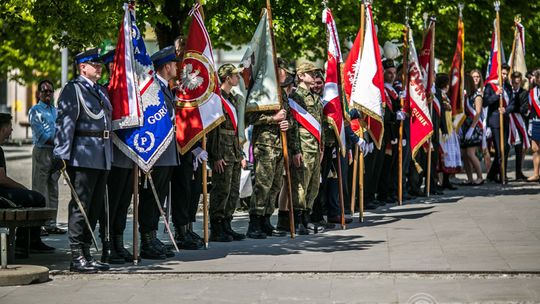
pixel 460 8
pixel 497 5
pixel 407 13
pixel 325 3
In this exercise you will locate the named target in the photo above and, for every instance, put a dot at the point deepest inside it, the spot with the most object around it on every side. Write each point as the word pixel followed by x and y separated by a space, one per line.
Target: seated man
pixel 13 194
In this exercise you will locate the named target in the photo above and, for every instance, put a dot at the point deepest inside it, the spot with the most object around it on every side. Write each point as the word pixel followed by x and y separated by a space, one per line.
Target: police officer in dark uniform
pixel 120 177
pixel 84 149
pixel 151 247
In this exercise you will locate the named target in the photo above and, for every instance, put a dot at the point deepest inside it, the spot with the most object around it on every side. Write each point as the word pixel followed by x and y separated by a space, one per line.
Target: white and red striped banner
pixel 231 111
pixel 332 107
pixel 305 119
pixel 199 108
pixel 518 131
pixel 534 100
pixel 367 92
pixel 125 82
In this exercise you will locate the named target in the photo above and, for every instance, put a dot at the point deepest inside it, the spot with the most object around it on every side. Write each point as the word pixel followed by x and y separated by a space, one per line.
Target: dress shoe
pixel 79 262
pixel 109 254
pixel 449 186
pixel 93 262
pixel 118 245
pixel 43 232
pixel 371 205
pixel 55 230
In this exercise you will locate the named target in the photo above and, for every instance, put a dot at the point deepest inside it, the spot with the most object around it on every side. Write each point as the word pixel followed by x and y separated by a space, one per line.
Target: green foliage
pixel 32 31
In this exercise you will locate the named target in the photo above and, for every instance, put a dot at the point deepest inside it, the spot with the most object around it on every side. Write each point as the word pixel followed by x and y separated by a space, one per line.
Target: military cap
pixel 163 56
pixel 228 70
pixel 284 64
pixel 108 57
pixel 288 80
pixel 91 55
pixel 388 63
pixel 306 67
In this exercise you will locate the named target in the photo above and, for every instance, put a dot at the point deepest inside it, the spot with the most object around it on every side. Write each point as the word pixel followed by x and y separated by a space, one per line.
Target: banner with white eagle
pixel 199 107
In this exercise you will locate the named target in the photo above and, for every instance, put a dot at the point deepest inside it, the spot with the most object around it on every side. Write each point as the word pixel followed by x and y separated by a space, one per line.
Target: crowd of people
pixel 74 137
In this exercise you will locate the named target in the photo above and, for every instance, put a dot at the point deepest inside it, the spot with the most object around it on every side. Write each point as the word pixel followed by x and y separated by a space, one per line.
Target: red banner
pixel 457 72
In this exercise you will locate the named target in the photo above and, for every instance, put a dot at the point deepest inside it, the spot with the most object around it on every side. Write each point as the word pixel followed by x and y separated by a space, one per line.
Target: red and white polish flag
pixel 332 107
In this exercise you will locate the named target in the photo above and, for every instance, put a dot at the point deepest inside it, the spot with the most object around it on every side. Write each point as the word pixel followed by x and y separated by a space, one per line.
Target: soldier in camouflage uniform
pixel 268 166
pixel 306 170
pixel 226 158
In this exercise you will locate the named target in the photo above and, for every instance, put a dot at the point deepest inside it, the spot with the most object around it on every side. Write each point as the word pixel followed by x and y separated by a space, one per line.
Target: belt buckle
pixel 106 134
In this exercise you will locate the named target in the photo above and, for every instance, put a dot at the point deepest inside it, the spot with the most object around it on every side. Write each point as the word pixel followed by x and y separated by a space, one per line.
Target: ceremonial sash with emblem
pixel 534 100
pixel 305 119
pixel 391 94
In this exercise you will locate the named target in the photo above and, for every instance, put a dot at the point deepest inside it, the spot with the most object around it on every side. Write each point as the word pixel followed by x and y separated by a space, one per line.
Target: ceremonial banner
pixel 143 144
pixel 517 57
pixel 348 71
pixel 457 73
pixel 124 82
pixel 421 126
pixel 199 108
pixel 332 107
pixel 426 56
pixel 367 93
pixel 493 62
pixel 257 89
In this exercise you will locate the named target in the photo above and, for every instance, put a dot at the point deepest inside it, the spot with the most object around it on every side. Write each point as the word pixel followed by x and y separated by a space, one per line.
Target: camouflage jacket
pixel 312 103
pixel 223 141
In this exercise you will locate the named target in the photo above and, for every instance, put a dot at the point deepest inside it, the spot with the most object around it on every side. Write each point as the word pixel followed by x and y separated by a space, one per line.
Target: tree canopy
pixel 32 31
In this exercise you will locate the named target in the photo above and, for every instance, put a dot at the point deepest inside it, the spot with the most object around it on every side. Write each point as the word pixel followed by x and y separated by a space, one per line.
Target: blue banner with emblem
pixel 143 144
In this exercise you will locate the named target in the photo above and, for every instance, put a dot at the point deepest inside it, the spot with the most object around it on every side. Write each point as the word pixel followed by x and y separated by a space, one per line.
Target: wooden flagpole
pixel 355 172
pixel 205 196
pixel 283 133
pixel 404 70
pixel 361 153
pixel 501 102
pixel 135 214
pixel 431 68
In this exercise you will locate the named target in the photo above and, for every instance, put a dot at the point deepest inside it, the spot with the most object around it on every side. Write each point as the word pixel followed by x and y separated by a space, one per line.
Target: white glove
pixel 488 133
pixel 394 141
pixel 403 94
pixel 371 147
pixel 400 115
pixel 469 133
pixel 529 129
pixel 362 144
pixel 200 156
pixel 403 142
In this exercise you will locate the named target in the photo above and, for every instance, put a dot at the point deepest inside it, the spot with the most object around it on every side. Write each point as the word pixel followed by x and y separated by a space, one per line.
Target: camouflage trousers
pixel 306 180
pixel 225 191
pixel 268 166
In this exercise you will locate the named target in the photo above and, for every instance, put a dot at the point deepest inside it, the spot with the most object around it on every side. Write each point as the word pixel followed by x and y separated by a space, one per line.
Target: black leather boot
pixel 88 256
pixel 184 240
pixel 166 249
pixel 268 228
pixel 109 254
pixel 217 233
pixel 79 262
pixel 283 223
pixel 118 245
pixel 228 229
pixel 148 250
pixel 254 228
pixel 194 236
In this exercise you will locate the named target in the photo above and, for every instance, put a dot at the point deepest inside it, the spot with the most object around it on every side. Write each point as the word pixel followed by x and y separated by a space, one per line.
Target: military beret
pixel 228 70
pixel 307 66
pixel 108 57
pixel 388 63
pixel 163 56
pixel 91 55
